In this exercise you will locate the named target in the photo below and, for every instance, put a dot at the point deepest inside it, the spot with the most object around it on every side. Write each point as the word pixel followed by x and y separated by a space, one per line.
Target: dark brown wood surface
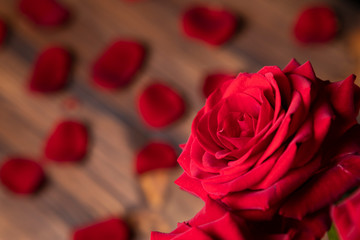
pixel 105 185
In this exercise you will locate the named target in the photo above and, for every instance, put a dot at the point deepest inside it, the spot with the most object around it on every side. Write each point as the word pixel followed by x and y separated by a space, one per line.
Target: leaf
pixel 332 233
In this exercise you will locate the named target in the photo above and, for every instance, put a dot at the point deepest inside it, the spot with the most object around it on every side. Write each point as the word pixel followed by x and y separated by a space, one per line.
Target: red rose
pixel 347 217
pixel 275 143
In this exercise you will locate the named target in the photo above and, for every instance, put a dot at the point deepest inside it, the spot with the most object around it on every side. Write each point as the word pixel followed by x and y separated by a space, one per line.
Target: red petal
pixel 3 31
pixel 21 175
pixel 155 155
pixel 111 229
pixel 67 142
pixel 191 185
pixel 118 64
pixel 211 25
pixel 324 189
pixel 159 105
pixel 316 24
pixel 213 81
pixel 344 96
pixel 51 70
pixel 346 217
pixel 44 12
pixel 291 66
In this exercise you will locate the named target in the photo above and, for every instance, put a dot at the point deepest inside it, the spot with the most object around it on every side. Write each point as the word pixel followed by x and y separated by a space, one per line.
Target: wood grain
pixel 105 185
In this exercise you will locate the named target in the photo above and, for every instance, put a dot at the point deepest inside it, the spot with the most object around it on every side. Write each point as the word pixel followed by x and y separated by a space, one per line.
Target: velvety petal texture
pixel 346 217
pixel 110 229
pixel 159 105
pixel 213 81
pixel 21 175
pixel 155 155
pixel 116 67
pixel 316 24
pixel 50 71
pixel 46 13
pixel 67 142
pixel 276 144
pixel 209 24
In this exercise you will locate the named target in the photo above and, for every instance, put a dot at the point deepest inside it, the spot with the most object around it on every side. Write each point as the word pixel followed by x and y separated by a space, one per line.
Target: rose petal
pixel 159 105
pixel 51 70
pixel 67 142
pixel 324 188
pixel 293 64
pixel 265 116
pixel 236 181
pixel 211 25
pixel 21 175
pixel 185 157
pixel 155 155
pixel 225 228
pixel 118 64
pixel 345 98
pixel 265 199
pixel 111 229
pixel 246 83
pixel 317 223
pixel 279 82
pixel 44 12
pixel 305 70
pixel 213 81
pixel 346 217
pixel 191 185
pixel 348 144
pixel 316 24
pixel 201 129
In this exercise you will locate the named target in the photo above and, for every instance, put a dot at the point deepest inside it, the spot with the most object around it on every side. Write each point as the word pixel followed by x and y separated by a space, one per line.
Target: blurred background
pixel 105 184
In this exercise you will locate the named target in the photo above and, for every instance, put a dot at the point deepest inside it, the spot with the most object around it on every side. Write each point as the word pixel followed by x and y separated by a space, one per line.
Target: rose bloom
pixel 346 217
pixel 276 144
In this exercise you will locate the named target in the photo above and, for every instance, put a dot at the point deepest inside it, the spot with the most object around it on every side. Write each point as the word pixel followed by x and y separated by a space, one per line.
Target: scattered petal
pixel 155 155
pixel 211 25
pixel 44 12
pixel 67 142
pixel 111 229
pixel 21 175
pixel 316 24
pixel 118 64
pixel 51 70
pixel 159 105
pixel 213 81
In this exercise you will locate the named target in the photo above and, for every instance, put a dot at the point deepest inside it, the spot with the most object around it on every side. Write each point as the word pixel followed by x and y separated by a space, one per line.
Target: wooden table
pixel 105 184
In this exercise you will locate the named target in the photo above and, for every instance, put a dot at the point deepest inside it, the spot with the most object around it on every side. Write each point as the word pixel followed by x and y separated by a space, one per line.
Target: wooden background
pixel 105 185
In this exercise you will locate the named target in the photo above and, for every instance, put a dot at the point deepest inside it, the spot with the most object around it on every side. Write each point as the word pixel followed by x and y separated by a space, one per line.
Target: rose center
pixel 237 124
